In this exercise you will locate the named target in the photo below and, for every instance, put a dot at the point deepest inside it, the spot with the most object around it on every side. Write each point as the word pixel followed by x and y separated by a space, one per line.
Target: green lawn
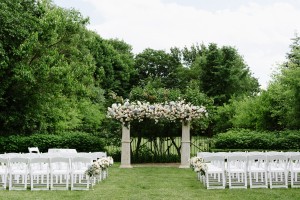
pixel 154 183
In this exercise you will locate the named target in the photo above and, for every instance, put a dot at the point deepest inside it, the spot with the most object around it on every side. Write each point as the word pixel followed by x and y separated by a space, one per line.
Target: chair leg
pixel 207 181
pixel 224 180
pixel 250 179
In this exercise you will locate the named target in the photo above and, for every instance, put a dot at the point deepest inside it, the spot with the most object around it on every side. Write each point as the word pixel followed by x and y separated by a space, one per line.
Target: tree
pixel 289 79
pixel 48 74
pixel 223 74
pixel 114 65
pixel 275 109
pixel 158 66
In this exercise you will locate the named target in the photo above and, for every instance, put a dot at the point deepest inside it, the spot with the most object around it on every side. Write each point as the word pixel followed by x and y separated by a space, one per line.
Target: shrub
pixel 247 139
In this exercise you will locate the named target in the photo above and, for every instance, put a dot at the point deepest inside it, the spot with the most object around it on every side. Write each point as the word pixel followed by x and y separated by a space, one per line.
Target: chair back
pixel 237 162
pixel 295 162
pixel 39 163
pixel 257 161
pixel 33 150
pixel 3 165
pixel 18 164
pixel 215 160
pixel 81 163
pixel 59 163
pixel 277 161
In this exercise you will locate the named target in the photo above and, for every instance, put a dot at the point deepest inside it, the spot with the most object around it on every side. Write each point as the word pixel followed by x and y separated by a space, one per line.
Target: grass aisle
pixel 153 183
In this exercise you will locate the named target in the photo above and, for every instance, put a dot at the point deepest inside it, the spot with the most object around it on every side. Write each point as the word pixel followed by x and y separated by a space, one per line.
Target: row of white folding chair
pixel 236 170
pixel 16 170
pixel 274 167
pixel 93 155
pixel 245 153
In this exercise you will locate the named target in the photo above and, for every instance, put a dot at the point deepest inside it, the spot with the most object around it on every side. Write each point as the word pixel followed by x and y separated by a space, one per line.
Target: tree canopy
pixel 57 75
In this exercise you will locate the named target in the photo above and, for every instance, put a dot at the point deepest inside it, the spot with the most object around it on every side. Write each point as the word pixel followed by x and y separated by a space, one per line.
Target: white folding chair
pixel 33 150
pixel 277 169
pixel 18 173
pixel 294 165
pixel 39 170
pixel 215 172
pixel 79 179
pixel 258 171
pixel 59 173
pixel 237 171
pixel 3 172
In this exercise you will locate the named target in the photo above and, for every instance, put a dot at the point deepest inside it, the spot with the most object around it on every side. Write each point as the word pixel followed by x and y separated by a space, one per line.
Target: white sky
pixel 261 30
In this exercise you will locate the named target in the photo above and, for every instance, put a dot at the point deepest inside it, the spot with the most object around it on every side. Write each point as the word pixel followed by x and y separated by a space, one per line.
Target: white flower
pixel 198 164
pixel 171 111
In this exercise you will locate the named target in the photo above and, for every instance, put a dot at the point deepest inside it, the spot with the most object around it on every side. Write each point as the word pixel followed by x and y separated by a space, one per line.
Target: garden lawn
pixel 150 182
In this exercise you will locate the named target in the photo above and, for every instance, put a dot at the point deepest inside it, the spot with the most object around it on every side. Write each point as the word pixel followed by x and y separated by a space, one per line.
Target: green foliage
pixel 49 84
pixel 221 72
pixel 247 139
pixel 152 94
pixel 277 108
pixel 56 75
pixel 115 154
pixel 82 142
pixel 114 65
pixel 157 65
pixel 146 156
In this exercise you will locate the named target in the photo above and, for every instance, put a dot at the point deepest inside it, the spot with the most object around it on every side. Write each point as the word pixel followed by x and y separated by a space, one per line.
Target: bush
pixel 147 156
pixel 247 139
pixel 82 142
pixel 116 154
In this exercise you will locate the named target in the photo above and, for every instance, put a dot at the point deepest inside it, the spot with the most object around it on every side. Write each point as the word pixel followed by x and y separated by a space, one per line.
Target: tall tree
pixel 277 108
pixel 114 65
pixel 289 78
pixel 159 66
pixel 221 72
pixel 48 72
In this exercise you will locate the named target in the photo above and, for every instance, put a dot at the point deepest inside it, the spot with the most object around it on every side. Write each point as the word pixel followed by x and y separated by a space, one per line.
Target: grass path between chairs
pixel 153 182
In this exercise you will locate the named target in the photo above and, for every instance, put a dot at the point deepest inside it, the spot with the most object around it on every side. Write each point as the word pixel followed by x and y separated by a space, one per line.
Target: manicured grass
pixel 154 183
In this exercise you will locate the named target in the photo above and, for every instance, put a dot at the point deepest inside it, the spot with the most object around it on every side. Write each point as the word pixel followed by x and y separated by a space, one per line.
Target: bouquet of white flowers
pixel 198 165
pixel 105 162
pixel 99 165
pixel 93 170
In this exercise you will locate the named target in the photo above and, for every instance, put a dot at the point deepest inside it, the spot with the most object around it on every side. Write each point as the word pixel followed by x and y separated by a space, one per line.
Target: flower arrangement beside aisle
pixel 93 170
pixel 96 168
pixel 105 162
pixel 198 165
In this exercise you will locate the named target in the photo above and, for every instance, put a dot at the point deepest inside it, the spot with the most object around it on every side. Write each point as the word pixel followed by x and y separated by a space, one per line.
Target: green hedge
pixel 247 139
pixel 82 142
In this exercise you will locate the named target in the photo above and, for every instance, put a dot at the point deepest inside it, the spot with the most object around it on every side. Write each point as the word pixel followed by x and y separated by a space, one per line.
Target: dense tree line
pixel 56 75
pixel 277 107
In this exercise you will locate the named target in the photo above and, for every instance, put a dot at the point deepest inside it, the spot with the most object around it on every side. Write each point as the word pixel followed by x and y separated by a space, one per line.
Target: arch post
pixel 125 153
pixel 185 145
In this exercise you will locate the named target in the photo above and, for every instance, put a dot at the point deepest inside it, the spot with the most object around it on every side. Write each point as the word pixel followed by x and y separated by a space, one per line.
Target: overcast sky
pixel 261 30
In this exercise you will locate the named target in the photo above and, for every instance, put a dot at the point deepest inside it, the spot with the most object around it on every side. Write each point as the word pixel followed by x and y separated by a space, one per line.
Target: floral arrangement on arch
pixel 198 165
pixel 173 110
pixel 99 165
